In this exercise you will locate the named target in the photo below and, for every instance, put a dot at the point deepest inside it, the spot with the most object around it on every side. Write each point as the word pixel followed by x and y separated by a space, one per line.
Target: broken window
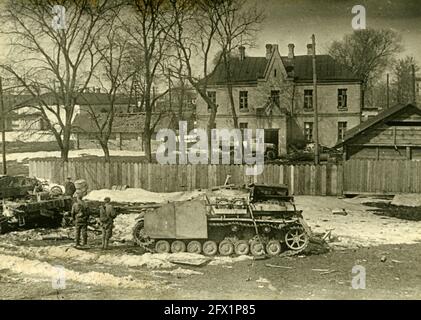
pixel 308 99
pixel 308 131
pixel 243 100
pixel 342 98
pixel 341 130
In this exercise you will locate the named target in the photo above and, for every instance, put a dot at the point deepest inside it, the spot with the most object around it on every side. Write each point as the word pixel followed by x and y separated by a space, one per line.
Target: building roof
pixel 122 123
pixel 247 70
pixel 101 99
pixel 353 132
pixel 253 68
pixel 85 98
pixel 327 68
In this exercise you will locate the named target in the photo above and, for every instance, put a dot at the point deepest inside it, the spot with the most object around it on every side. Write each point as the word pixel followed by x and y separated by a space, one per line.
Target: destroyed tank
pixel 26 203
pixel 265 221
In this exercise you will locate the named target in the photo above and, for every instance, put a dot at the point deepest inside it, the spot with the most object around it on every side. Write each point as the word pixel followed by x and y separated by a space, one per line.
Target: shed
pixel 394 134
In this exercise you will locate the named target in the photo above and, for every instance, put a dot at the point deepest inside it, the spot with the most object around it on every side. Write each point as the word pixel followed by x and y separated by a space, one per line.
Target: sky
pixel 294 21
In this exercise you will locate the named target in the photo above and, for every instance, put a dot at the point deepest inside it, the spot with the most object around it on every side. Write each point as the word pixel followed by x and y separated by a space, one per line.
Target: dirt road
pixel 325 276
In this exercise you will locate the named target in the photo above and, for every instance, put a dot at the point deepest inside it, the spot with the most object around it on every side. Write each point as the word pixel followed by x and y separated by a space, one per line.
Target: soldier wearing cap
pixel 69 187
pixel 106 218
pixel 80 216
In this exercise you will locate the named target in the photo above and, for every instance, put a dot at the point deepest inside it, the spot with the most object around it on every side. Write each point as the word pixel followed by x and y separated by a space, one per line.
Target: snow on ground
pixel 147 260
pixel 359 227
pixel 30 267
pixel 20 157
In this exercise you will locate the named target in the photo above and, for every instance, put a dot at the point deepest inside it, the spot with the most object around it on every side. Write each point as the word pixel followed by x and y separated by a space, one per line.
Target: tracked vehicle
pixel 25 203
pixel 263 222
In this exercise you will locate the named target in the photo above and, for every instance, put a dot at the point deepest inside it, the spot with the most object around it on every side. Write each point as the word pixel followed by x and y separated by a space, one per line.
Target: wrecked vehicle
pixel 26 203
pixel 16 186
pixel 264 222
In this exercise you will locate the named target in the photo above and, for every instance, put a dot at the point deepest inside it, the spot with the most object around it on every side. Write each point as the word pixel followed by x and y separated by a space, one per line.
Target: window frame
pixel 243 100
pixel 310 133
pixel 308 98
pixel 342 99
pixel 342 129
pixel 276 98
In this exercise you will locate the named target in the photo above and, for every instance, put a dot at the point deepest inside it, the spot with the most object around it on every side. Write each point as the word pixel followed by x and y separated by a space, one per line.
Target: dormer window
pixel 274 73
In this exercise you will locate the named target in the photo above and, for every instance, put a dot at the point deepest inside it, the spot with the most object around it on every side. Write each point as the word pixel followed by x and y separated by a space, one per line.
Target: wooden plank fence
pixel 382 176
pixel 301 179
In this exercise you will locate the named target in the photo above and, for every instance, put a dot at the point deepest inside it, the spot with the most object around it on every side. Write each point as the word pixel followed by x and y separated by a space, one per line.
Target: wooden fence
pixel 382 176
pixel 301 179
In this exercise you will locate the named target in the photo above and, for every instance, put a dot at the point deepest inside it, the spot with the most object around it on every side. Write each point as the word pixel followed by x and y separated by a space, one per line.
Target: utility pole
pixel 3 127
pixel 387 92
pixel 414 80
pixel 316 111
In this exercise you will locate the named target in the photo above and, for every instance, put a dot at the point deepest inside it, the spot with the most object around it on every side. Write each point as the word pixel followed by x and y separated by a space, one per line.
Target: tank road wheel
pixel 226 248
pixel 257 248
pixel 162 246
pixel 242 247
pixel 178 246
pixel 210 248
pixel 194 247
pixel 296 238
pixel 273 247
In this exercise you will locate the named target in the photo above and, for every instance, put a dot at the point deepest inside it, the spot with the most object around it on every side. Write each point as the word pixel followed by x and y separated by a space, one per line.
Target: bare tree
pixel 367 53
pixel 148 29
pixel 54 66
pixel 194 37
pixel 237 26
pixel 114 67
pixel 403 83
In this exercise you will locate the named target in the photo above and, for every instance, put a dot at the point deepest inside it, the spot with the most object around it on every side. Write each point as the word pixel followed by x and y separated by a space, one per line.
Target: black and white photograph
pixel 213 150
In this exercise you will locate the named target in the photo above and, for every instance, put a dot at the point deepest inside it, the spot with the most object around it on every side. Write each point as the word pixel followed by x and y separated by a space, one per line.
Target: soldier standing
pixel 80 216
pixel 69 187
pixel 106 218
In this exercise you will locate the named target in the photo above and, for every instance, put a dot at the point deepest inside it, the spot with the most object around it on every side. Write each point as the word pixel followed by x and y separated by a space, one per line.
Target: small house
pixel 394 134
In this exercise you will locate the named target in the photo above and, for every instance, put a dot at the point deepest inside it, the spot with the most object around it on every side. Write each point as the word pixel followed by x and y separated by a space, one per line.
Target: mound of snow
pixel 407 200
pixel 138 195
pixel 30 267
pixel 123 226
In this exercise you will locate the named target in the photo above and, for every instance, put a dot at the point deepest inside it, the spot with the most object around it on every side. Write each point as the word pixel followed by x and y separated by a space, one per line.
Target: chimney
pixel 291 54
pixel 268 51
pixel 242 51
pixel 310 49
